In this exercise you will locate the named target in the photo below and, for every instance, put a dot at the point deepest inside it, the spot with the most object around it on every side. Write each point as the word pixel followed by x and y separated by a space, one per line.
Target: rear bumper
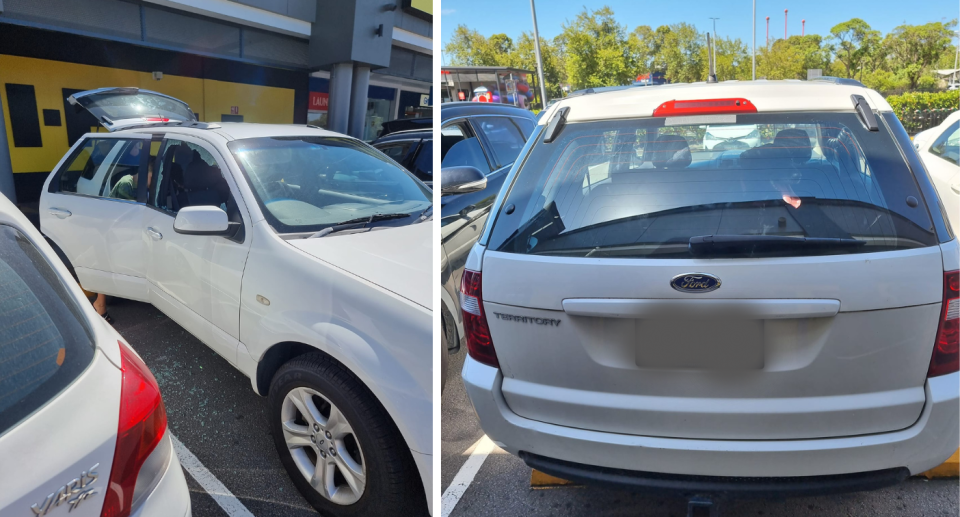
pixel 924 445
pixel 171 497
pixel 718 486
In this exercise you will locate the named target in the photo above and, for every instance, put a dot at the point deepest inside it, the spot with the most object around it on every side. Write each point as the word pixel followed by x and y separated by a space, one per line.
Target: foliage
pixel 918 101
pixel 914 48
pixel 594 50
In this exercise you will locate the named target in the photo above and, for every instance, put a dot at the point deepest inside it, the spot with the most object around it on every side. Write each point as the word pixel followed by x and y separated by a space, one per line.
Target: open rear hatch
pixel 640 283
pixel 121 108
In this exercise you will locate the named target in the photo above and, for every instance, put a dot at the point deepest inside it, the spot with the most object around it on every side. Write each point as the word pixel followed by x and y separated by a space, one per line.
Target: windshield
pixel 761 185
pixel 308 183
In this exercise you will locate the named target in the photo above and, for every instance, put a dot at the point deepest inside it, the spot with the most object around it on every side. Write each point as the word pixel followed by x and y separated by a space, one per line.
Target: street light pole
pixel 754 40
pixel 536 46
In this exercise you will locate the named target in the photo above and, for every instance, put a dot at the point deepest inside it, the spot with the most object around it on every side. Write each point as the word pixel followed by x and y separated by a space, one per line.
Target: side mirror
pixel 461 180
pixel 202 220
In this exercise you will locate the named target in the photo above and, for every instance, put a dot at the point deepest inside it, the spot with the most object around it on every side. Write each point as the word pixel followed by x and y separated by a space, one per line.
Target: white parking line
pixel 460 483
pixel 209 482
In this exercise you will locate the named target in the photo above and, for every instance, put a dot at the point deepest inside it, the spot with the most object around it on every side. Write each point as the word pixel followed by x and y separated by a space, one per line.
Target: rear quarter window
pixel 44 341
pixel 765 184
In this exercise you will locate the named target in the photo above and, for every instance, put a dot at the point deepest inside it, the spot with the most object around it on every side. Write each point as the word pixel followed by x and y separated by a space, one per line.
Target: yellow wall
pixel 207 97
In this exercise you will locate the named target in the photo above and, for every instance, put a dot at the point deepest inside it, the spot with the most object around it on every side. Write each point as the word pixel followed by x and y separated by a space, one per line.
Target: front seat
pixel 203 185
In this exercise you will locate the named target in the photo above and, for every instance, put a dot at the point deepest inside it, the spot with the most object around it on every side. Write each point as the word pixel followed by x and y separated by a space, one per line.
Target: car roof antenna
pixel 712 74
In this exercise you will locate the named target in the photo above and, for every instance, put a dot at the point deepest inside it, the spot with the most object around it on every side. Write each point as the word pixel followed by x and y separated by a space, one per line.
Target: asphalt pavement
pixel 502 485
pixel 213 410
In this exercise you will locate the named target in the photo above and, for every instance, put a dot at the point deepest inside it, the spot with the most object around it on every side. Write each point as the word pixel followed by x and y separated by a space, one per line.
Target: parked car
pixel 405 124
pixel 413 149
pixel 939 148
pixel 83 429
pixel 295 253
pixel 488 138
pixel 721 138
pixel 769 321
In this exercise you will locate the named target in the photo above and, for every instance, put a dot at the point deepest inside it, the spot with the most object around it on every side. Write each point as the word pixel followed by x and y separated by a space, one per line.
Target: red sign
pixel 319 101
pixel 234 110
pixel 461 95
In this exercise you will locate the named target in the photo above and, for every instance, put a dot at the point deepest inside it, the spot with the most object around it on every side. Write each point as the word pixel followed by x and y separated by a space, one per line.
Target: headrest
pixel 182 154
pixel 670 152
pixel 198 176
pixel 795 144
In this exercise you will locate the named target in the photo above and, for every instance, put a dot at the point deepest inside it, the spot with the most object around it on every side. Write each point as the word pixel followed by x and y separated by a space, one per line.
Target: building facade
pixel 347 65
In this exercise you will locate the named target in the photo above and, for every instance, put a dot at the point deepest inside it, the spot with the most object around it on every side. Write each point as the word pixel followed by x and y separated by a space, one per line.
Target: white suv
pixel 645 311
pixel 83 429
pixel 297 254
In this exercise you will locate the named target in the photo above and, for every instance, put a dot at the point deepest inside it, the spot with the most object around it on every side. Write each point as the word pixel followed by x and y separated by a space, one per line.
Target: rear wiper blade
pixel 721 244
pixel 359 222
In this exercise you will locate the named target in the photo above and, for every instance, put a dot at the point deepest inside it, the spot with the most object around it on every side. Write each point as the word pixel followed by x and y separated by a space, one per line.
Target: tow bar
pixel 703 506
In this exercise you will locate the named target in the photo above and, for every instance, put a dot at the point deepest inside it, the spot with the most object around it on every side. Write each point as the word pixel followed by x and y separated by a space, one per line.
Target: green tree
pixel 643 45
pixel 524 56
pixel 681 56
pixel 914 49
pixel 783 60
pixel 596 50
pixel 855 40
pixel 468 47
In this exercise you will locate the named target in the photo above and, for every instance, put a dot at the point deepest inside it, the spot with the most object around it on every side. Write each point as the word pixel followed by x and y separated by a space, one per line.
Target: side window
pixel 424 163
pixel 103 167
pixel 459 148
pixel 947 145
pixel 188 175
pixel 397 151
pixel 504 138
pixel 526 126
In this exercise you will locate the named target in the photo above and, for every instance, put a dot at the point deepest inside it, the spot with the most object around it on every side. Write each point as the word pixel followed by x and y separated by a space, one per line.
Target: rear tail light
pixel 479 343
pixel 946 350
pixel 704 107
pixel 143 421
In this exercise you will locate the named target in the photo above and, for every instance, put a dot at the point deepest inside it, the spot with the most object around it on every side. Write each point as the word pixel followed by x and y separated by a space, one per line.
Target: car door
pixel 92 206
pixel 98 227
pixel 195 279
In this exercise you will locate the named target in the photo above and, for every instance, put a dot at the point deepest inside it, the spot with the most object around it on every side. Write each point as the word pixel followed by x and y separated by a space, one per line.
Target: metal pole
pixel 754 40
pixel 784 24
pixel 536 46
pixel 803 28
pixel 767 42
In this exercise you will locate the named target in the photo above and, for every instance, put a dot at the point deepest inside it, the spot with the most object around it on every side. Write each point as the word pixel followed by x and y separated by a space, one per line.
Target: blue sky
pixel 513 17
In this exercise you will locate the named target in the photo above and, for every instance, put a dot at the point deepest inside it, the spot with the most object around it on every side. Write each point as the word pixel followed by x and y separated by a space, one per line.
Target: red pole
pixel 768 32
pixel 784 24
pixel 803 27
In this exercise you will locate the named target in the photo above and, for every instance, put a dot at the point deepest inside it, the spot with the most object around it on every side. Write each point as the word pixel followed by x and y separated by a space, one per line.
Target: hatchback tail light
pixel 143 421
pixel 479 343
pixel 946 350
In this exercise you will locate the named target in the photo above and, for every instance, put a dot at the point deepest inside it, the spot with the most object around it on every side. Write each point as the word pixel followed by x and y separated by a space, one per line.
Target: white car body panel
pixel 77 428
pixel 920 447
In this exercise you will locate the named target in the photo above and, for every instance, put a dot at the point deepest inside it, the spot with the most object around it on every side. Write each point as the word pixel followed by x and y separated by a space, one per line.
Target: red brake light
pixel 156 119
pixel 704 107
pixel 479 343
pixel 946 349
pixel 143 420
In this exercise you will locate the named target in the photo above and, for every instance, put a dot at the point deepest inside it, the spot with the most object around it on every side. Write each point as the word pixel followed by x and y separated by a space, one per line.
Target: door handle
pixel 154 234
pixel 60 212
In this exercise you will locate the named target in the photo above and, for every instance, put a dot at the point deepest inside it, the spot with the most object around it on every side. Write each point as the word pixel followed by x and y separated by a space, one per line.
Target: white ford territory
pixel 778 316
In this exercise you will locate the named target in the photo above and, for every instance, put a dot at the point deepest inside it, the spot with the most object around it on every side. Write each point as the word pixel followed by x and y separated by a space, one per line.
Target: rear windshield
pixel 728 186
pixel 44 342
pixel 121 106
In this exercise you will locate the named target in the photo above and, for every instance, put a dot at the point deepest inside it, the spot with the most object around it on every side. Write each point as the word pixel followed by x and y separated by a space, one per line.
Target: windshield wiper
pixel 359 222
pixel 725 244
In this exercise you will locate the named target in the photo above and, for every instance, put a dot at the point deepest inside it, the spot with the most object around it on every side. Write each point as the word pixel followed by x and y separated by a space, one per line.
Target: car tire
pixel 391 481
pixel 443 361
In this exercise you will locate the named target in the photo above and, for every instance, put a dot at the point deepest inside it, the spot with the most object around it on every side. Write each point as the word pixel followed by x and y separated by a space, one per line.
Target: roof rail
pixel 191 123
pixel 839 80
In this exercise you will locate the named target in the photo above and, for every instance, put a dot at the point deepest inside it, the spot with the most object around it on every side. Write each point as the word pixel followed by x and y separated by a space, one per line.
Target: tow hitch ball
pixel 700 506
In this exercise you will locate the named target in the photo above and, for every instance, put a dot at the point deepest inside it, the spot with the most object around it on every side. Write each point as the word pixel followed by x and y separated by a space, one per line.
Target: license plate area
pixel 700 344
